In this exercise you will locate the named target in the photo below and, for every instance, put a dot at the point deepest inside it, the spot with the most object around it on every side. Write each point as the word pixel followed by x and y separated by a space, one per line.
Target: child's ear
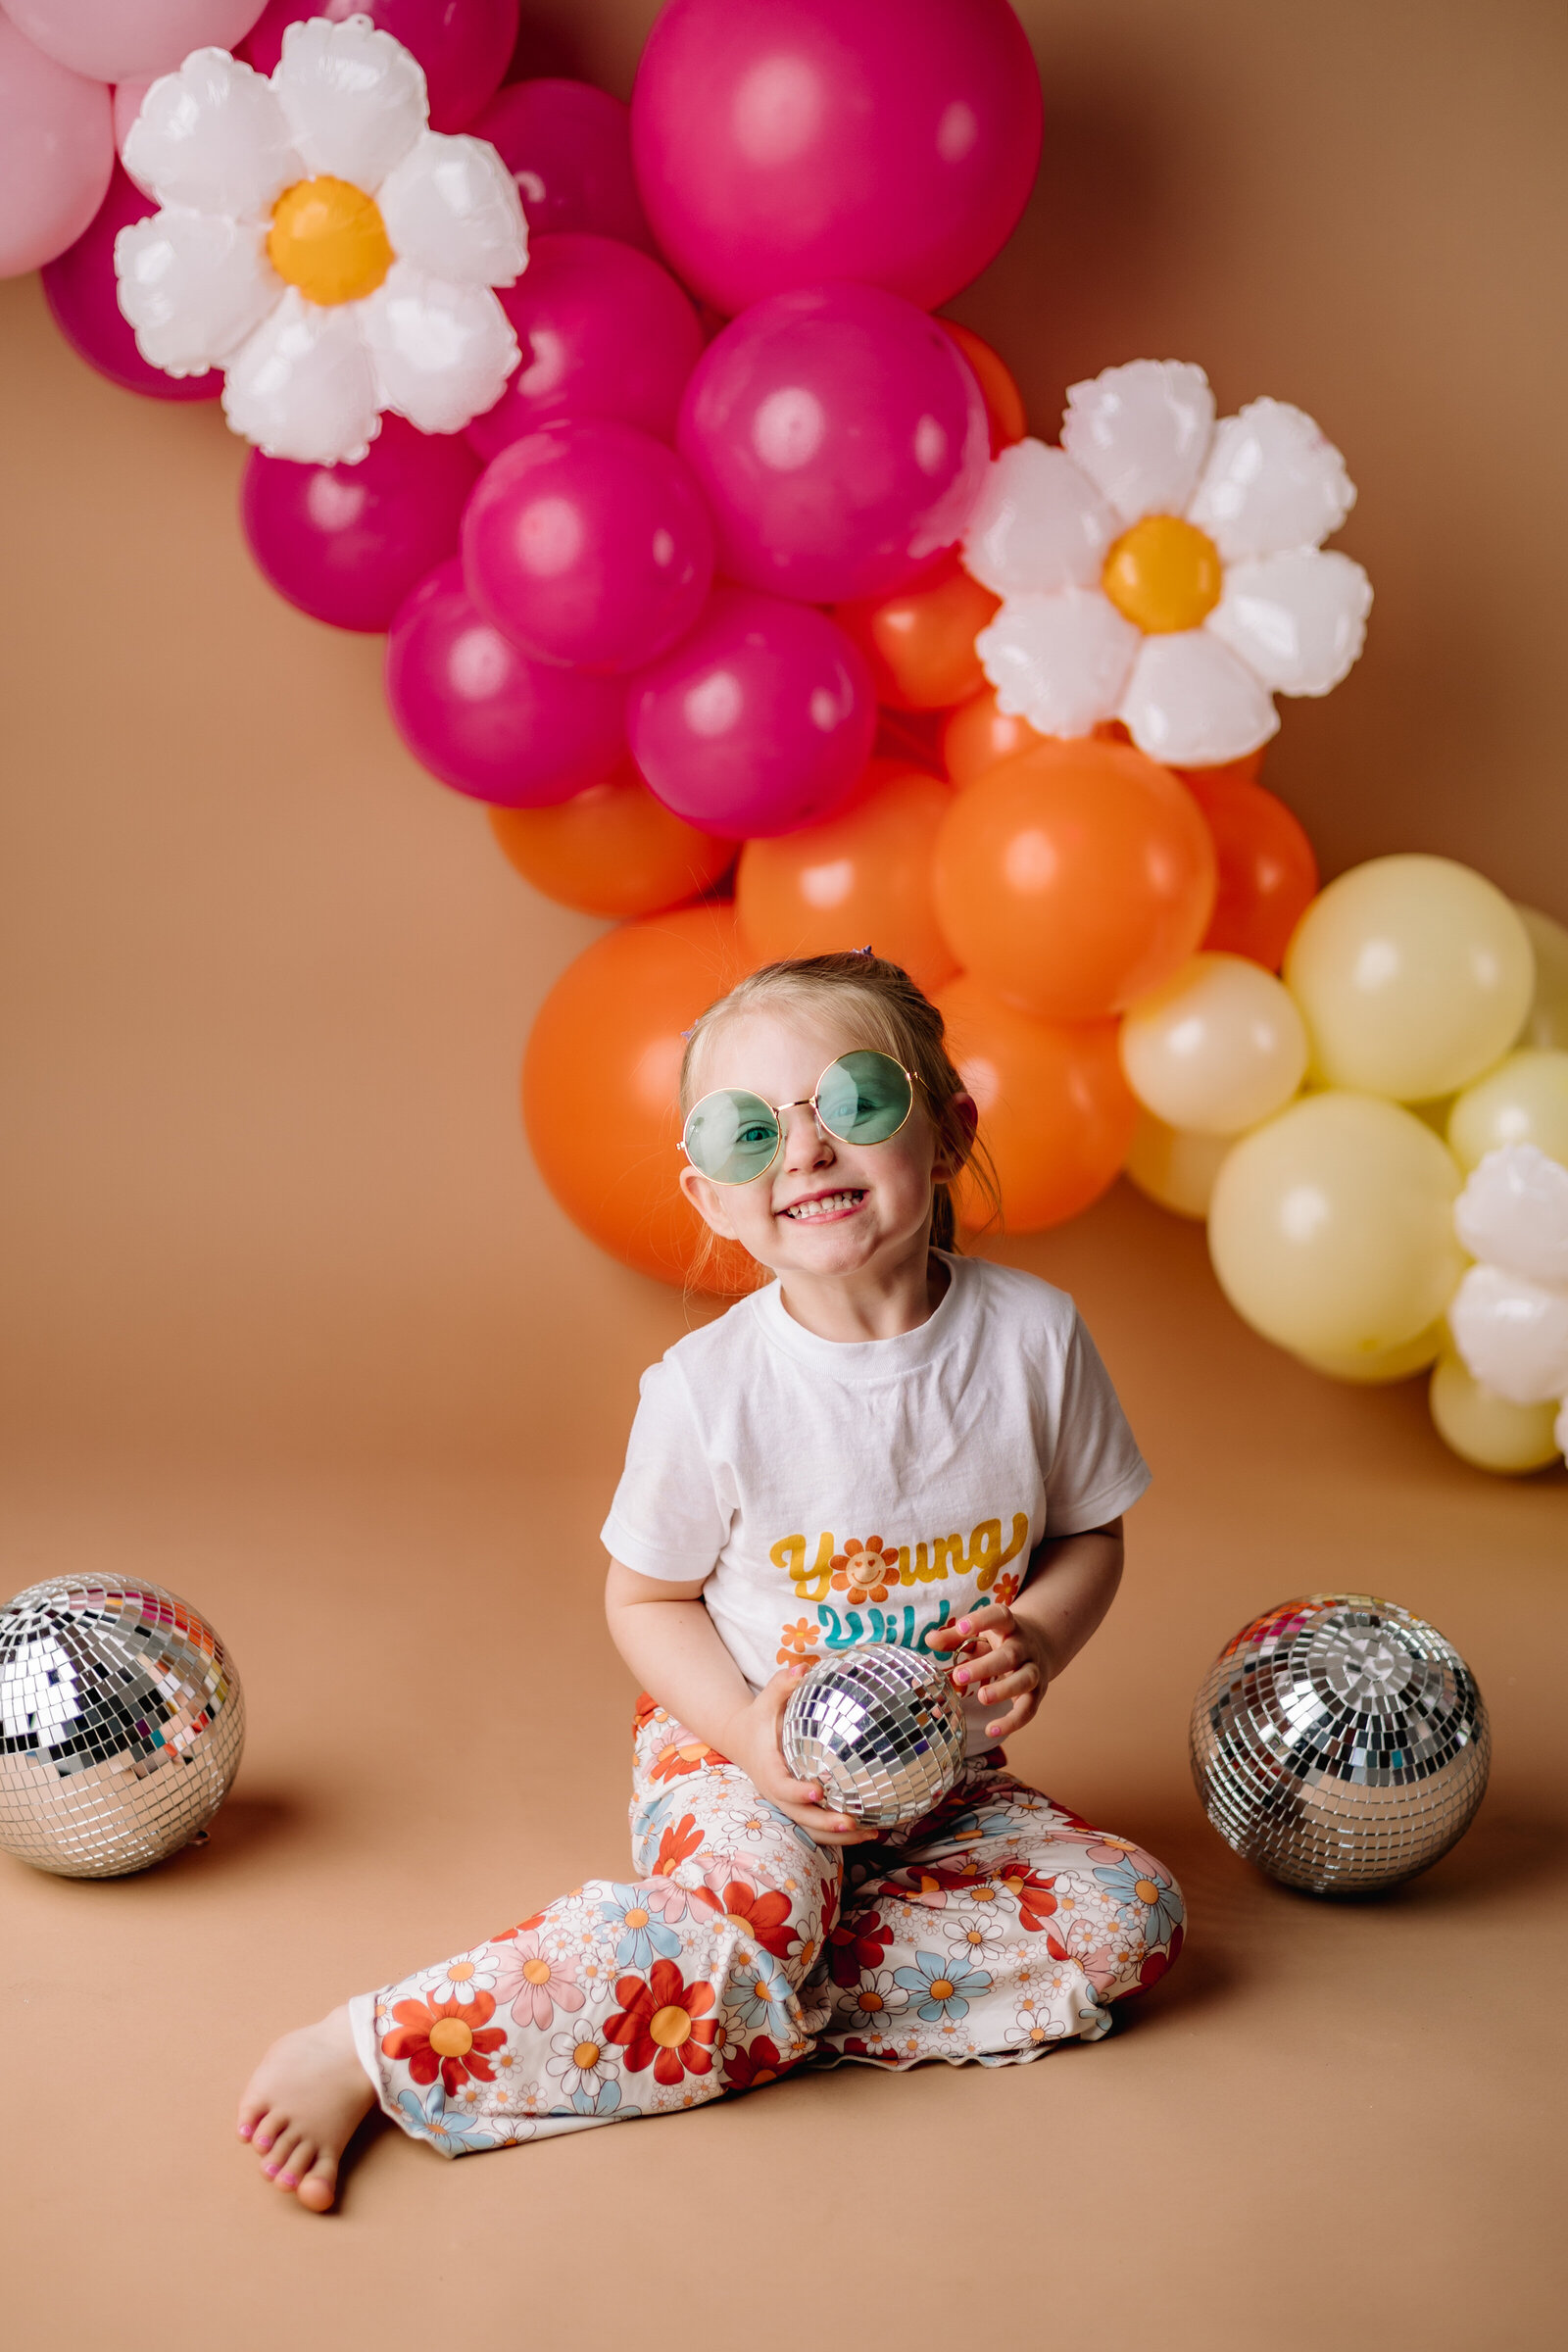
pixel 709 1201
pixel 948 1163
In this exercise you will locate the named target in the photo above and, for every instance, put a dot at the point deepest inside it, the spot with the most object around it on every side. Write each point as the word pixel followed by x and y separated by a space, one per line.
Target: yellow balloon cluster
pixel 1426 1018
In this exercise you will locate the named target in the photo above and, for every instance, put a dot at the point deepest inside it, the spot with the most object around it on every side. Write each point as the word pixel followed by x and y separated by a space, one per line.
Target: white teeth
pixel 824 1207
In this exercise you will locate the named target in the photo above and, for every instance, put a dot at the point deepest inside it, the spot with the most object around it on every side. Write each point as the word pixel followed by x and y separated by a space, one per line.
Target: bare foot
pixel 302 2104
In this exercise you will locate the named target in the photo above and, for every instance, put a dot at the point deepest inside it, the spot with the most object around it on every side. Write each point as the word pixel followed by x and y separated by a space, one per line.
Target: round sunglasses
pixel 732 1136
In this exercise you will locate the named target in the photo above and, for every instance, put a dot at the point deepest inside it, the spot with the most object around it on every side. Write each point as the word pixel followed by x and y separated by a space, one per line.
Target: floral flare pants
pixel 995 1929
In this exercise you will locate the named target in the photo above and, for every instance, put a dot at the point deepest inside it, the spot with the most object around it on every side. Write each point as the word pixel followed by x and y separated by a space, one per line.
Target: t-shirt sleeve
pixel 666 1518
pixel 1097 1470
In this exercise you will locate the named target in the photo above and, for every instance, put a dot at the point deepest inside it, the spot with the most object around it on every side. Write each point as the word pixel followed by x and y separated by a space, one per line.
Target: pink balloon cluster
pixel 631 549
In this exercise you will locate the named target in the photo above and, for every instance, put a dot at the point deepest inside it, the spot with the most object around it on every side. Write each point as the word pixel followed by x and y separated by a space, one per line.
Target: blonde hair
pixel 880 1004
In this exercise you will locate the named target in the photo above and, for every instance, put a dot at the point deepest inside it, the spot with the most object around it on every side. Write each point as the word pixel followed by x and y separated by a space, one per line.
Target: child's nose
pixel 807 1143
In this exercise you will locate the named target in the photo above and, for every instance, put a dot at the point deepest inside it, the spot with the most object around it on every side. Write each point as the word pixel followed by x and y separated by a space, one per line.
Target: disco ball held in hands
pixel 1340 1743
pixel 880 1729
pixel 121 1721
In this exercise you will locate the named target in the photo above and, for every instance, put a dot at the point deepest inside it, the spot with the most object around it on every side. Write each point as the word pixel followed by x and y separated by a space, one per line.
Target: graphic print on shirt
pixel 851 1586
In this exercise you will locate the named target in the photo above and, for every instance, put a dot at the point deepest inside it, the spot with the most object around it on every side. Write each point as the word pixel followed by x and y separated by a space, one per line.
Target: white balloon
pixel 1514 1213
pixel 1512 1334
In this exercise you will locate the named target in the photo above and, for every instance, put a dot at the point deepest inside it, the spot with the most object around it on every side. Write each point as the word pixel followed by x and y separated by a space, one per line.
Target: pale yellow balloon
pixel 1385 1364
pixel 1218 1047
pixel 1523 1101
pixel 1546 1021
pixel 1486 1429
pixel 1174 1167
pixel 1331 1227
pixel 1413 974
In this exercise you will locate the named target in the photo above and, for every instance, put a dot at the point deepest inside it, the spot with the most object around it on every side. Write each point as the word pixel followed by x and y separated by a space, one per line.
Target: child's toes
pixel 267 2129
pixel 297 2162
pixel 284 2145
pixel 320 2185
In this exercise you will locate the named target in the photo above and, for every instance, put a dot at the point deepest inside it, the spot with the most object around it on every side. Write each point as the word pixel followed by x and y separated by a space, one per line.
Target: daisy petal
pixel 452 207
pixel 1297 621
pixel 212 138
pixel 302 386
pixel 193 286
pixel 1140 433
pixel 354 97
pixel 441 352
pixel 1191 704
pixel 1272 482
pixel 1038 524
pixel 1060 661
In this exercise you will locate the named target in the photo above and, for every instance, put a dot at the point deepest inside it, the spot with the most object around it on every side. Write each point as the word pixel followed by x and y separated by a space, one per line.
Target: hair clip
pixel 687 1035
pixel 865 951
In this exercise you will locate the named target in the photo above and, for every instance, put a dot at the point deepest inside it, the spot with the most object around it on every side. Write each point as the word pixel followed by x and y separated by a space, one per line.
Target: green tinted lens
pixel 731 1136
pixel 863 1097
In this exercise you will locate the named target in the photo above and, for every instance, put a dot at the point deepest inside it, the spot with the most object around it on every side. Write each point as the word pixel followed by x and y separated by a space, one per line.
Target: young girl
pixel 889 1442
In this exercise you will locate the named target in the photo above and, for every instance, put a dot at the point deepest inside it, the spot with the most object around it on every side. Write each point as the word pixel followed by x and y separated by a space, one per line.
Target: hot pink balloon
pixel 604 332
pixel 781 142
pixel 464 45
pixel 347 543
pixel 486 719
pixel 113 40
pixel 81 290
pixel 569 148
pixel 57 150
pixel 759 721
pixel 841 440
pixel 588 542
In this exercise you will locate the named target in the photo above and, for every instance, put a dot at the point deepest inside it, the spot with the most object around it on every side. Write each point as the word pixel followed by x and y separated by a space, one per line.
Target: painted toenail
pixel 246 2130
pixel 291 2180
pixel 271 2170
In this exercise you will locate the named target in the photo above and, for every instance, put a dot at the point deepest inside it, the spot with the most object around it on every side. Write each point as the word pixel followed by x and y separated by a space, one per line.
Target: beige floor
pixel 289 1325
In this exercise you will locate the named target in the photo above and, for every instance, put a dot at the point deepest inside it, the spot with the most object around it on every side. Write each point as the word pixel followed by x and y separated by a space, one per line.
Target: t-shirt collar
pixel 870 1359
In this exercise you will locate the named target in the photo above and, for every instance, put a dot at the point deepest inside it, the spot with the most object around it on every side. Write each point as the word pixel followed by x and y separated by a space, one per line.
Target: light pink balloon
pixel 113 40
pixel 57 150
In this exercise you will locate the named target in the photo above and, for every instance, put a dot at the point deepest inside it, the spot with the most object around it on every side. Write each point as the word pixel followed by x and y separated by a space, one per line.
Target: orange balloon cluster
pixel 1036 891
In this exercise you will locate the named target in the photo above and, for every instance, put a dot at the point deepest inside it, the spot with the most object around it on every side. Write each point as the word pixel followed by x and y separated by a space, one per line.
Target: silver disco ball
pixel 1340 1743
pixel 121 1721
pixel 880 1729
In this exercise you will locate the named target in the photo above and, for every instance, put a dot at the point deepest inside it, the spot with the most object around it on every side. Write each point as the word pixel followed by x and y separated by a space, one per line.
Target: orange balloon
pixel 600 1089
pixel 920 642
pixel 1074 878
pixel 1004 410
pixel 1055 1112
pixel 1267 872
pixel 612 850
pixel 864 878
pixel 978 738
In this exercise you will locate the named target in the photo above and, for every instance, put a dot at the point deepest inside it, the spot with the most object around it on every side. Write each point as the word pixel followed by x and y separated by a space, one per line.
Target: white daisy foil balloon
pixel 1164 569
pixel 320 244
pixel 1509 1316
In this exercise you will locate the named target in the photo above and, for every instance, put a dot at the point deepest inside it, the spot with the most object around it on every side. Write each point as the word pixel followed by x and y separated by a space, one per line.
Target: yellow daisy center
pixel 942 1988
pixel 669 2027
pixel 328 238
pixel 450 2037
pixel 536 1972
pixel 1164 574
pixel 584 2054
pixel 1146 1890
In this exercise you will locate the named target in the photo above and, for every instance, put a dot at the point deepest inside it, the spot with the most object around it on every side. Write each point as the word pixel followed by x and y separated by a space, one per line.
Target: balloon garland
pixel 731 581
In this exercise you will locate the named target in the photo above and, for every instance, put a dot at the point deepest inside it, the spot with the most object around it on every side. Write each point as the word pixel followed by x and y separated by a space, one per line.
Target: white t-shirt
pixel 837 1492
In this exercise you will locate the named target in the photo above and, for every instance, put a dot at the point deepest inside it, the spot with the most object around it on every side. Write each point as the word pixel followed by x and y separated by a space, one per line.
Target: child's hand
pixel 753 1742
pixel 1007 1660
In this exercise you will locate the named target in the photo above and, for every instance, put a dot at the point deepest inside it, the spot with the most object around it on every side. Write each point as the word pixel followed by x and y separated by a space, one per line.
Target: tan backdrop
pixel 289 1322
